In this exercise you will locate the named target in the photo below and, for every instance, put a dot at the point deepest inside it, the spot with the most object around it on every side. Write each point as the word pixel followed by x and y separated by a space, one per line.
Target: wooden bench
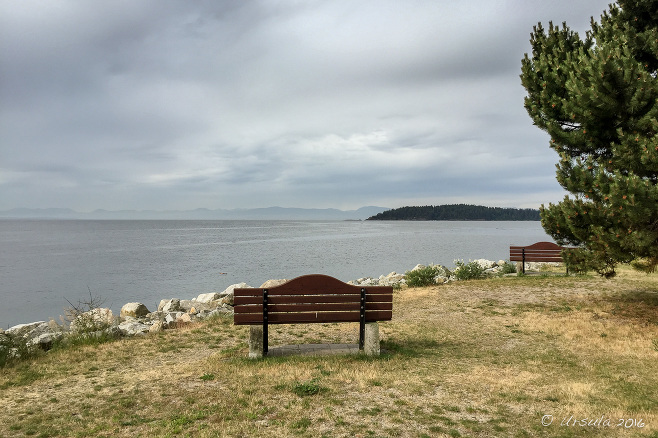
pixel 537 252
pixel 313 299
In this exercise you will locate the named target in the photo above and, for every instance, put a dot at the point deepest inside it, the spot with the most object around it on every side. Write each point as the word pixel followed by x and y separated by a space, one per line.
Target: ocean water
pixel 45 264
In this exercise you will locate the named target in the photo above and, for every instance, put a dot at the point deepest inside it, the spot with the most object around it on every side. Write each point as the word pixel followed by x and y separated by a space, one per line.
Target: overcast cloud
pixel 238 104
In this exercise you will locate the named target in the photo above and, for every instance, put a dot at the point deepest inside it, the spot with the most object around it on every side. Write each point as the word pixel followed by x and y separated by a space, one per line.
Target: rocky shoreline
pixel 136 319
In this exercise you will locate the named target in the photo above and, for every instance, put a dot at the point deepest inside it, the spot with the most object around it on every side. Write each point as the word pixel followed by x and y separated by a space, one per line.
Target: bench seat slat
pixel 287 299
pixel 330 307
pixel 537 258
pixel 313 317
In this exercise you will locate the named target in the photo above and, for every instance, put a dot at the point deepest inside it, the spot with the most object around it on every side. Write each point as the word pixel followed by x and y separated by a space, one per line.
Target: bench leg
pixel 255 341
pixel 371 341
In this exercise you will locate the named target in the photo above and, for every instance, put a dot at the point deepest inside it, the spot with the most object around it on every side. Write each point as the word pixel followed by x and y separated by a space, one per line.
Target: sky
pixel 177 105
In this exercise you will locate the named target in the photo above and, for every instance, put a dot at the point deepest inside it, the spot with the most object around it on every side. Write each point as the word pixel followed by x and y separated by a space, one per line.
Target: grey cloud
pixel 176 105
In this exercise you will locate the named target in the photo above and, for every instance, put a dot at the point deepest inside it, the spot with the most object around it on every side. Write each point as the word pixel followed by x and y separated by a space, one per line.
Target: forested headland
pixel 457 212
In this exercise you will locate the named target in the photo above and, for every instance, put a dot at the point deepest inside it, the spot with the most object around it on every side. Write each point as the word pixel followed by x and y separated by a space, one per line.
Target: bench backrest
pixel 312 298
pixel 537 252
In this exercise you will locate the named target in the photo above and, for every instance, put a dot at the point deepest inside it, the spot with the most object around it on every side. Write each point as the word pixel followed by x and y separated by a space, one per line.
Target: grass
pixel 480 358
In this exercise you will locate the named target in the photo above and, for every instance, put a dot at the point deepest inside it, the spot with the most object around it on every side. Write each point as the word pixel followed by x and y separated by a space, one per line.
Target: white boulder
pixel 207 298
pixel 93 320
pixel 133 310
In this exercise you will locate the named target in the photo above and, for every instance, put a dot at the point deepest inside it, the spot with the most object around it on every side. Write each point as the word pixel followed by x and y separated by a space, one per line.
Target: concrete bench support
pixel 255 341
pixel 371 343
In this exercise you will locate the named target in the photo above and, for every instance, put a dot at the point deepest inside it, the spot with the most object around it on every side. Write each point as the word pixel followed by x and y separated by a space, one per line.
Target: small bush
pixel 14 348
pixel 468 271
pixel 89 323
pixel 507 268
pixel 425 276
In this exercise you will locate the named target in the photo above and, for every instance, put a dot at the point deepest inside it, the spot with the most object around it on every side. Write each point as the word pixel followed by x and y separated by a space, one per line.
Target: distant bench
pixel 537 252
pixel 312 299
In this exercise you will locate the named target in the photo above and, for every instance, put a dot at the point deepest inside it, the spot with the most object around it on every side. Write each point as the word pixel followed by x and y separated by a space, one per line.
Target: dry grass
pixel 480 358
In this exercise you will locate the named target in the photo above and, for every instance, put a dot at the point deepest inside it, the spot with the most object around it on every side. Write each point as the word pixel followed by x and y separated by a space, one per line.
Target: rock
pixel 172 305
pixel 154 316
pixel 207 298
pixel 93 320
pixel 272 283
pixel 23 330
pixel 132 328
pixel 171 318
pixel 485 264
pixel 157 326
pixel 39 333
pixel 175 319
pixel 135 310
pixel 229 290
pixel 202 314
pixel 227 295
pixel 187 305
pixel 391 279
pixel 45 340
pixel 226 301
pixel 220 311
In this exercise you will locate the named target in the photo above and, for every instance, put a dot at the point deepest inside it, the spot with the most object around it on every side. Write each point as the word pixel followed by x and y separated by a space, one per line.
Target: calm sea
pixel 44 263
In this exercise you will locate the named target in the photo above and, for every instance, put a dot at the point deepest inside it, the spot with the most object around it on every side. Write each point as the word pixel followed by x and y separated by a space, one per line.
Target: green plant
pixel 311 387
pixel 507 268
pixel 301 424
pixel 598 104
pixel 89 323
pixel 87 316
pixel 14 348
pixel 468 271
pixel 425 276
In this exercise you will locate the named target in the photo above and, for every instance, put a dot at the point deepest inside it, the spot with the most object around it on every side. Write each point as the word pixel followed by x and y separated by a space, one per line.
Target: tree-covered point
pixel 457 212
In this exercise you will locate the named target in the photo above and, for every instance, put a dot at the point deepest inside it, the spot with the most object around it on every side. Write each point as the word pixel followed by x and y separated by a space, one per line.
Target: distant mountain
pixel 270 213
pixel 457 212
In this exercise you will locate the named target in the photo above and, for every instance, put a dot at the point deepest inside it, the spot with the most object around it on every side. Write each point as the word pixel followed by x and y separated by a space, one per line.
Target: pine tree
pixel 597 98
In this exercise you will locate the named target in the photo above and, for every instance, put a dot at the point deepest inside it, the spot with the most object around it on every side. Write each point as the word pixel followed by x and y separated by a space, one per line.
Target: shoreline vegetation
pixel 457 212
pixel 501 356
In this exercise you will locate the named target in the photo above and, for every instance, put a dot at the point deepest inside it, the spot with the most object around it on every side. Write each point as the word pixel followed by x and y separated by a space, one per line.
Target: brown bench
pixel 312 299
pixel 537 252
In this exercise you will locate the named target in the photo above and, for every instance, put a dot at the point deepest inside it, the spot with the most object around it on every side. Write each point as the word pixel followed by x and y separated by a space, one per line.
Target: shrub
pixel 507 268
pixel 15 348
pixel 87 316
pixel 425 276
pixel 89 323
pixel 468 271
